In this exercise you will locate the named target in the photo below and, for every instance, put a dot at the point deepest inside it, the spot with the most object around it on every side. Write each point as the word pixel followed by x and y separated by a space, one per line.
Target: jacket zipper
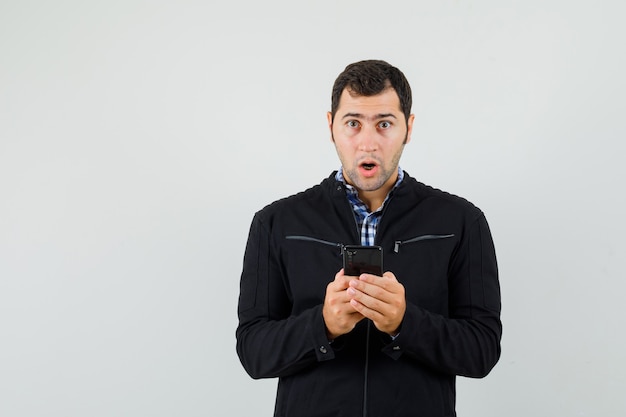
pixel 398 243
pixel 367 336
pixel 314 239
pixel 367 366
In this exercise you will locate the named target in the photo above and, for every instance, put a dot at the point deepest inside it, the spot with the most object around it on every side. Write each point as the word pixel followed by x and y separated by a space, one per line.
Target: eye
pixel 384 124
pixel 353 123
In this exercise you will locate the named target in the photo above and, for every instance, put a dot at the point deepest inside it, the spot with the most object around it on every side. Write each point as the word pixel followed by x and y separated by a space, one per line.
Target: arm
pixel 270 341
pixel 467 340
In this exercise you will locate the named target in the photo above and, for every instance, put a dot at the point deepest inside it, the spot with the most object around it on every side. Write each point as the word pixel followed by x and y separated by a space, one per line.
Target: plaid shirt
pixel 366 220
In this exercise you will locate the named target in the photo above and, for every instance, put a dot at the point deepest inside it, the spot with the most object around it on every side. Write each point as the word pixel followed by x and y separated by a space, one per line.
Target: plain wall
pixel 138 138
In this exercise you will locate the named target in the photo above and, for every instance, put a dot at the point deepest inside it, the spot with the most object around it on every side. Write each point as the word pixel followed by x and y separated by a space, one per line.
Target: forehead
pixel 386 102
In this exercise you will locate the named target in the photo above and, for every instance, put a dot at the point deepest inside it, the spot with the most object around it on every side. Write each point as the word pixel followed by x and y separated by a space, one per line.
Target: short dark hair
pixel 371 77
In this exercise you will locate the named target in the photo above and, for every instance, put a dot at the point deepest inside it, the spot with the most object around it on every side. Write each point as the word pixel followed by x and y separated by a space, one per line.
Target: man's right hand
pixel 339 315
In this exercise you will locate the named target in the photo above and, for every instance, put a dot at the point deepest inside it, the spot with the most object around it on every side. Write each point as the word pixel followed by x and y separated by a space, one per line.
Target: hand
pixel 339 315
pixel 380 299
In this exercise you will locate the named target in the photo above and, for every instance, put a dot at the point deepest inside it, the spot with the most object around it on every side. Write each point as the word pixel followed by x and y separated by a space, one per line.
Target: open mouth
pixel 368 167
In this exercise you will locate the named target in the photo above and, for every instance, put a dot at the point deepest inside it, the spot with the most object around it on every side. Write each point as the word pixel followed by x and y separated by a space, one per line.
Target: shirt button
pixel 323 349
pixel 396 348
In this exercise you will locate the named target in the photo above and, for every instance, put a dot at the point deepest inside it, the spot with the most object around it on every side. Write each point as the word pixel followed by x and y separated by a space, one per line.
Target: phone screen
pixel 359 260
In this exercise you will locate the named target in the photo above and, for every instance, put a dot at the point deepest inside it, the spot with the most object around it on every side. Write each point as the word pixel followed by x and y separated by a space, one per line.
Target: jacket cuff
pixel 394 349
pixel 322 346
pixel 395 346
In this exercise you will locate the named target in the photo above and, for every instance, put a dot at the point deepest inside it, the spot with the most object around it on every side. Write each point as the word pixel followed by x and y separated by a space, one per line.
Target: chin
pixel 370 185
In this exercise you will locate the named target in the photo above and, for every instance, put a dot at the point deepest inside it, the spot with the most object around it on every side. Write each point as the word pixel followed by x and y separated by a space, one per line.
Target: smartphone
pixel 359 260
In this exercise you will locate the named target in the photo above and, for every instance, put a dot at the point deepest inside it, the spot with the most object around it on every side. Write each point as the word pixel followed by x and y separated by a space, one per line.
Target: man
pixel 369 345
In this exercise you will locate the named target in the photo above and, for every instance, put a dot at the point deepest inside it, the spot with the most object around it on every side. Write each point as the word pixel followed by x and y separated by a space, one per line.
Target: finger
pixel 371 288
pixel 340 282
pixel 386 281
pixel 384 288
pixel 378 299
pixel 365 302
pixel 385 321
pixel 365 311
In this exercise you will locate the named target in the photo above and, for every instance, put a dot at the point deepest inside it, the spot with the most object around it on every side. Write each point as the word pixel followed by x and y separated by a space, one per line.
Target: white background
pixel 137 139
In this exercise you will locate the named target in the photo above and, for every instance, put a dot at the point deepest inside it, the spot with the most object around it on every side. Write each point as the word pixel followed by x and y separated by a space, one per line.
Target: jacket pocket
pixel 307 265
pixel 398 243
pixel 316 240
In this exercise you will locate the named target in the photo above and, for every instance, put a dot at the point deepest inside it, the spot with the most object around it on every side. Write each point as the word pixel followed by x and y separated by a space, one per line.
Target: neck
pixel 374 199
pixel 373 202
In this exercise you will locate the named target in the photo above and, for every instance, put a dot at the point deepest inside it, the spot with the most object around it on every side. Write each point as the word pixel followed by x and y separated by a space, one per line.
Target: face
pixel 369 134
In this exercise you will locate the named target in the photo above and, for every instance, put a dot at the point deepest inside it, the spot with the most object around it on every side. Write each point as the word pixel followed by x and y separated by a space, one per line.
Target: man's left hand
pixel 380 299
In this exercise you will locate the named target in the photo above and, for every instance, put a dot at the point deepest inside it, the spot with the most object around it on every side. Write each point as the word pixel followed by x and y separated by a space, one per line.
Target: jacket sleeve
pixel 467 341
pixel 270 341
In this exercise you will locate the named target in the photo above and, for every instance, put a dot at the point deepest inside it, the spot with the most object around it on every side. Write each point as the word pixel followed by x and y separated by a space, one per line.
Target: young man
pixel 369 345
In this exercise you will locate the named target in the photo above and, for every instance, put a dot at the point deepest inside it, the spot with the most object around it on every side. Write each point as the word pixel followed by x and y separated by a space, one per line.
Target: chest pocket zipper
pixel 398 243
pixel 316 240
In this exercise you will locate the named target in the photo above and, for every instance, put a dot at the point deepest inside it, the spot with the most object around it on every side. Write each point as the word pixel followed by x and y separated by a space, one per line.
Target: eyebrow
pixel 376 116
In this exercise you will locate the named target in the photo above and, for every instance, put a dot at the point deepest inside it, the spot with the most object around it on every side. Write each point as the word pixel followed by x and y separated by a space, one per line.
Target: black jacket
pixel 437 245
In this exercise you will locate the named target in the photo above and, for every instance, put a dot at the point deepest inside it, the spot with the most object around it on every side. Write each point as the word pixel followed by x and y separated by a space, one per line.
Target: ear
pixel 409 126
pixel 329 118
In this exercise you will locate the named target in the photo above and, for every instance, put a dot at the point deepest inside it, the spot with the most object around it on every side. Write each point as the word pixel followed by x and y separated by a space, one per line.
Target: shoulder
pixel 437 198
pixel 309 197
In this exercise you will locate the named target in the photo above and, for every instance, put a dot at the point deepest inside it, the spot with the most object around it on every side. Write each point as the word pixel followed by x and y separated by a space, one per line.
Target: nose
pixel 368 139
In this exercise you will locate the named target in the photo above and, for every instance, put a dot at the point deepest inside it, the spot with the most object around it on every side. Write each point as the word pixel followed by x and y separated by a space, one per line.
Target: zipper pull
pixel 396 246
